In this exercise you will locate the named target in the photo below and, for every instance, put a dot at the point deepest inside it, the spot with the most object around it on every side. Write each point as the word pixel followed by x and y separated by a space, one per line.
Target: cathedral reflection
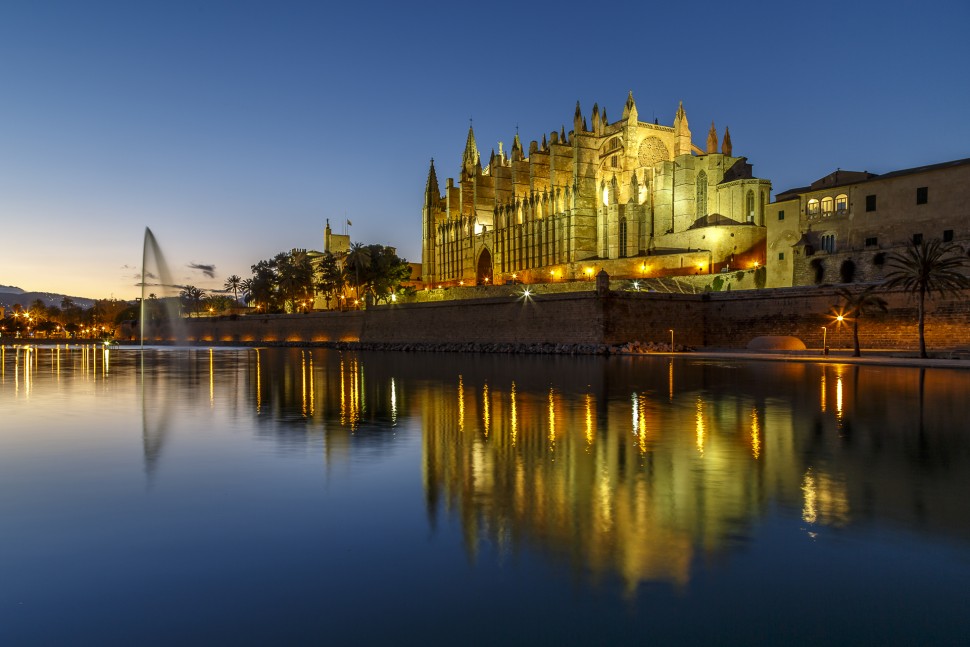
pixel 558 471
pixel 629 467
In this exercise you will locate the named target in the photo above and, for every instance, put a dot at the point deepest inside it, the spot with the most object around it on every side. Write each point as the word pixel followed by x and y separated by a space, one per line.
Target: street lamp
pixel 671 340
pixel 824 337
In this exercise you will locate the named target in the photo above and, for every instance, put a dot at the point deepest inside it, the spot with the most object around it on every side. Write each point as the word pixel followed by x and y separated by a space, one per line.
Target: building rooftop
pixel 844 178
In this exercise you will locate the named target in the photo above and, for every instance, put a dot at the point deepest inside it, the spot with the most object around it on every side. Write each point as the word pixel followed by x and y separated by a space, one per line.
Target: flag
pixel 350 224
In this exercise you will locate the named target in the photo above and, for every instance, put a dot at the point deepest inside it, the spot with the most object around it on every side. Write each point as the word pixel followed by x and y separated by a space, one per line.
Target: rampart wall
pixel 714 320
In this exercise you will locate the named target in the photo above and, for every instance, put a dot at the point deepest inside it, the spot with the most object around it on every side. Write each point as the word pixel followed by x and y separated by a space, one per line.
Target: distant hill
pixel 10 296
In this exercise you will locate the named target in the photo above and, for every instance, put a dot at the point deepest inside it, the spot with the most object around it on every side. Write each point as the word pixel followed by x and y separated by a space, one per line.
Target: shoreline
pixel 950 358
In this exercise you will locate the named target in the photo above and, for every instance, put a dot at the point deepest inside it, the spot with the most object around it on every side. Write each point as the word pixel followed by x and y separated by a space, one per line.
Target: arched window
pixel 749 206
pixel 701 204
pixel 841 203
pixel 813 207
pixel 622 240
pixel 828 243
pixel 828 205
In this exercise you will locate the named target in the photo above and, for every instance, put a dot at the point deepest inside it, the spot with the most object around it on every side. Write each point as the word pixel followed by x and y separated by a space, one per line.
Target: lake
pixel 243 496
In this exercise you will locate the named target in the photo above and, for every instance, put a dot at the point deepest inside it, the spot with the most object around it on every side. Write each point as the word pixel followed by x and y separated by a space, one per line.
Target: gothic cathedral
pixel 636 199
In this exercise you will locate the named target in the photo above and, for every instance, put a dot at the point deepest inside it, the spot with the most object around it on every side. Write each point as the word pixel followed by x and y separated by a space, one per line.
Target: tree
pixel 233 284
pixel 218 303
pixel 386 273
pixel 358 260
pixel 38 310
pixel 925 268
pixel 858 304
pixel 192 297
pixel 331 277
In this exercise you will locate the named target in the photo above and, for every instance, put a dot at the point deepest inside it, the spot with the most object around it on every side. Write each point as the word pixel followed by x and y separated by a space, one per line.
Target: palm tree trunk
pixel 855 336
pixel 922 319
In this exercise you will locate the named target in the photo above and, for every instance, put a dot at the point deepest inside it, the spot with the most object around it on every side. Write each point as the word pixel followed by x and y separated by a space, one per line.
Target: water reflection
pixel 603 464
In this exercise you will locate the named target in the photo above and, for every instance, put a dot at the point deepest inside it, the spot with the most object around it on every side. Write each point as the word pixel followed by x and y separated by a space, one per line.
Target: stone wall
pixel 317 327
pixel 713 319
pixel 733 319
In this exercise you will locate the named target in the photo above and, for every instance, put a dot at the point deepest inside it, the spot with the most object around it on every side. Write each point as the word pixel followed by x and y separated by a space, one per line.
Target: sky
pixel 235 130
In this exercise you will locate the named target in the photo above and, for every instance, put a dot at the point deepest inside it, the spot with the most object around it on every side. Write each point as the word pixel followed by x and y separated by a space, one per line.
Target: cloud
pixel 208 270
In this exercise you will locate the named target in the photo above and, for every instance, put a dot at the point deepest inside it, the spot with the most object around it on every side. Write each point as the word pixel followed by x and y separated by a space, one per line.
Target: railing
pixel 819 215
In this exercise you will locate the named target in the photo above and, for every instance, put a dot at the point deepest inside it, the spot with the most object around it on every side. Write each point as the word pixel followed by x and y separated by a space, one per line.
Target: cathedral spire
pixel 712 140
pixel 596 118
pixel 517 155
pixel 431 191
pixel 682 143
pixel 681 114
pixel 469 158
pixel 578 119
pixel 630 109
pixel 726 147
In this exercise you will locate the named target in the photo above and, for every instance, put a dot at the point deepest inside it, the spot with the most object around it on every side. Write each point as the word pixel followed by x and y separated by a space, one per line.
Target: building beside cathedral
pixel 634 198
pixel 842 227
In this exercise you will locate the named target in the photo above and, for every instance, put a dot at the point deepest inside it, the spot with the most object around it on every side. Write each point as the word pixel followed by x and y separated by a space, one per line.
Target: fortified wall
pixel 714 320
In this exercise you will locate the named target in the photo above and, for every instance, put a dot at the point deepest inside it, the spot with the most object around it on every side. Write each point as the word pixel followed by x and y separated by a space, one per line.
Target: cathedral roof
pixel 714 219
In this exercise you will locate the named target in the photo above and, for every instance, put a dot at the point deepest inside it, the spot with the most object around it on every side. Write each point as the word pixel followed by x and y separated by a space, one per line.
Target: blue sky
pixel 235 129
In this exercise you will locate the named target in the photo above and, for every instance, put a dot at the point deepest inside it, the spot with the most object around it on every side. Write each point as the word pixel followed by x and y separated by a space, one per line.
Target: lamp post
pixel 839 319
pixel 825 331
pixel 671 340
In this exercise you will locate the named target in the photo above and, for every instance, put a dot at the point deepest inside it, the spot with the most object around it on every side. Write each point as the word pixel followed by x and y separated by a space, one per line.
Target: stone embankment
pixel 629 348
pixel 603 322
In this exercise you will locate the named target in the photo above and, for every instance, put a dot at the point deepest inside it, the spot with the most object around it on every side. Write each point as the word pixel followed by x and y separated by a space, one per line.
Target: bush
pixel 760 277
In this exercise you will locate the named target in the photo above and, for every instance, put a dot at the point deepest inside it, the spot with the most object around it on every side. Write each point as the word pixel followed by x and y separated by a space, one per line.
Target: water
pixel 287 495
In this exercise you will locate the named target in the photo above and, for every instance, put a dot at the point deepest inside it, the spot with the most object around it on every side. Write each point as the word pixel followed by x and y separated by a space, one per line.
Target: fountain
pixel 167 312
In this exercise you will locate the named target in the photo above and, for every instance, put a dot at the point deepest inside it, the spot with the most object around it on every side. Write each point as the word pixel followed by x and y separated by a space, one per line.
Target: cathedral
pixel 636 199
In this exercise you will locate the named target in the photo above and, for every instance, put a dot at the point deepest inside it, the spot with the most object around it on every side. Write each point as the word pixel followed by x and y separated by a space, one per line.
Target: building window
pixel 781 256
pixel 872 242
pixel 701 205
pixel 922 195
pixel 947 235
pixel 750 206
pixel 917 239
pixel 828 243
pixel 781 215
pixel 828 205
pixel 813 207
pixel 622 238
pixel 841 203
pixel 870 203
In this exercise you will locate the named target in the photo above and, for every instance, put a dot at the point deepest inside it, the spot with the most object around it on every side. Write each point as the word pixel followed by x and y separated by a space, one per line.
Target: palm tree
pixel 358 259
pixel 331 277
pixel 232 284
pixel 925 268
pixel 858 304
pixel 193 296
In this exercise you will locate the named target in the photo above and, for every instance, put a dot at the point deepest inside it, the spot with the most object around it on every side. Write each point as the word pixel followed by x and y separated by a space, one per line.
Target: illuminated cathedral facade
pixel 634 198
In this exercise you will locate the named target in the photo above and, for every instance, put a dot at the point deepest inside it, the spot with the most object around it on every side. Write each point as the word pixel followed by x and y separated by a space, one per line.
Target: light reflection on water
pixel 644 484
